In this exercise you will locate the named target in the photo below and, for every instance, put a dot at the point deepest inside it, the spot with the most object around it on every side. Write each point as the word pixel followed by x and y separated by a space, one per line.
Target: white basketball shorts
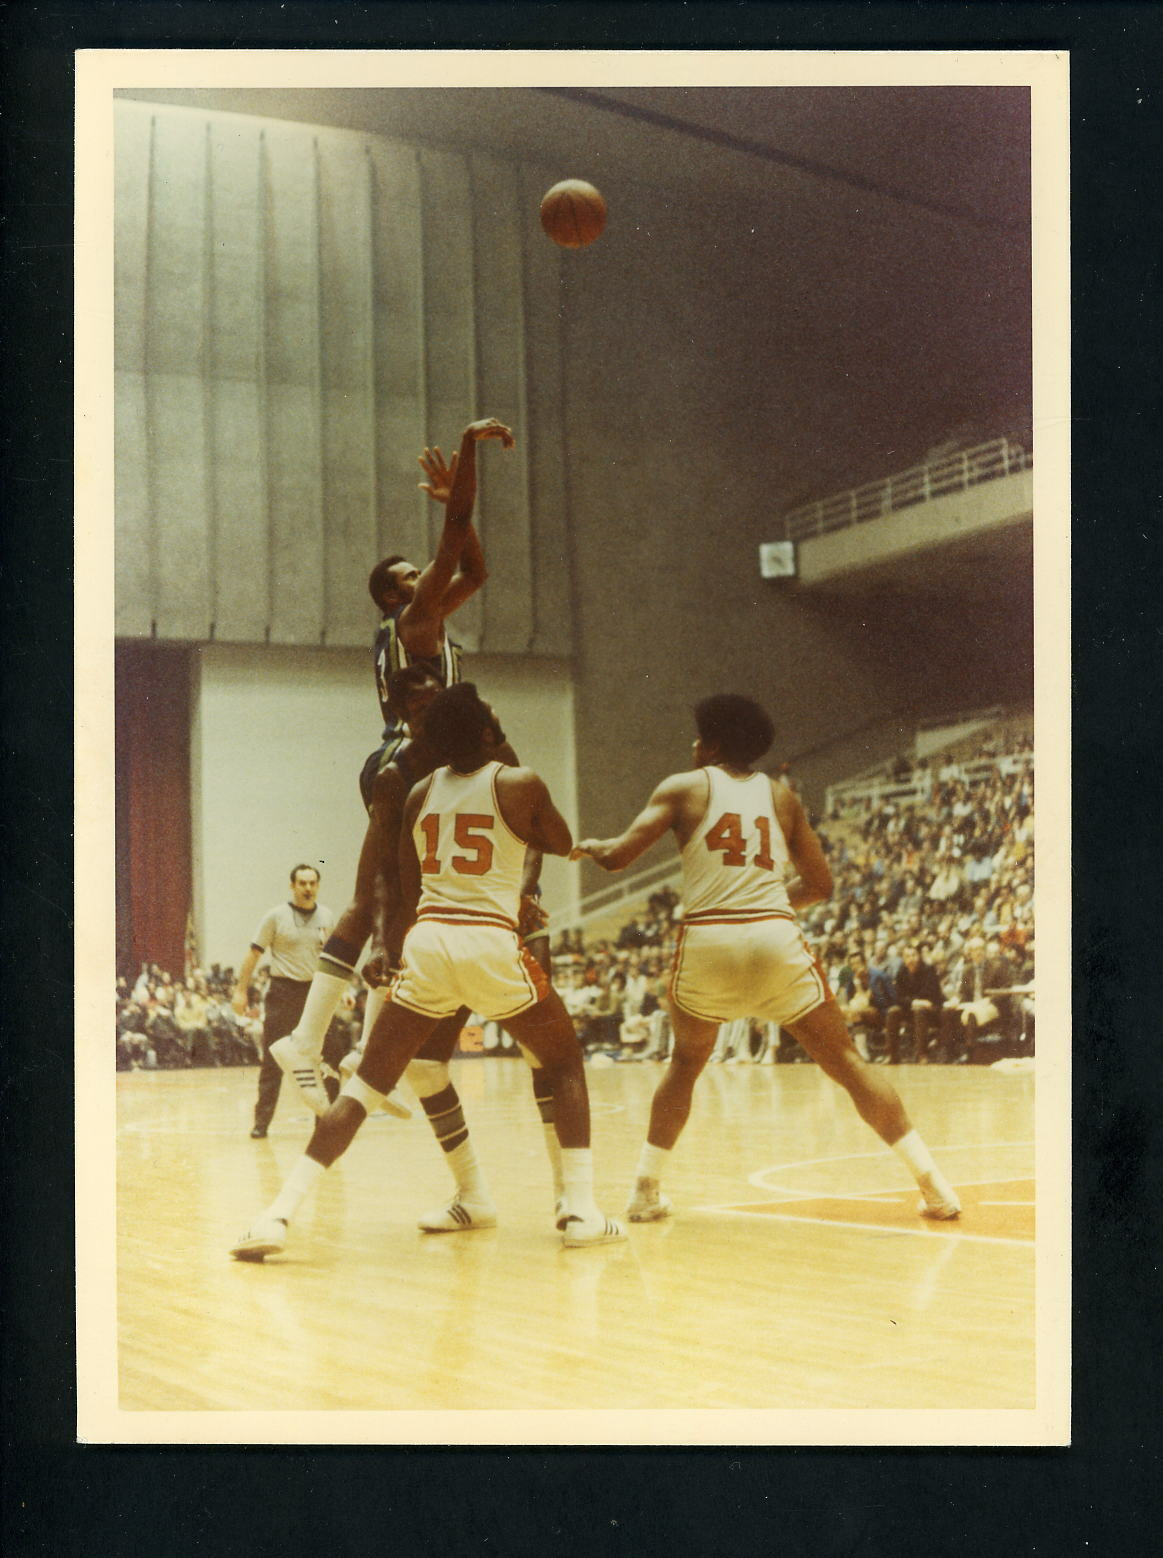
pixel 749 968
pixel 488 968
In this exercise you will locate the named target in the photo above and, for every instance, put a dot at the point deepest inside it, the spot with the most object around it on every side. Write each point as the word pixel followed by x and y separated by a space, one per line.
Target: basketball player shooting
pixel 462 852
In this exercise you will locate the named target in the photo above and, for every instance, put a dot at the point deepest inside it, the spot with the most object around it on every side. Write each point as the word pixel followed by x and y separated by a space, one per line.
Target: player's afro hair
pixel 454 723
pixel 737 726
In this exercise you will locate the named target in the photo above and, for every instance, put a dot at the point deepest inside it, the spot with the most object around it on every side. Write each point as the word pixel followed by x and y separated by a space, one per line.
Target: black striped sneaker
pixel 265 1236
pixel 582 1231
pixel 305 1071
pixel 458 1216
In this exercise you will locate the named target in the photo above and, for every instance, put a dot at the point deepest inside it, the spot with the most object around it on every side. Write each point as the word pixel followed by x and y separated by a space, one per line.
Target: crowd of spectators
pixel 927 941
pixel 167 1023
pixel 931 910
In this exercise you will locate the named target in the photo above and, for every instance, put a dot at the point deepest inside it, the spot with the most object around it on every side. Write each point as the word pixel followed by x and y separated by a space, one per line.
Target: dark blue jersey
pixel 390 655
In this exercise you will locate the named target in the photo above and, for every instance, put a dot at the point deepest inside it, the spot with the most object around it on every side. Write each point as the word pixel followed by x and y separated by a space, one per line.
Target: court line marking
pixel 835 1222
pixel 792 1196
pixel 756 1178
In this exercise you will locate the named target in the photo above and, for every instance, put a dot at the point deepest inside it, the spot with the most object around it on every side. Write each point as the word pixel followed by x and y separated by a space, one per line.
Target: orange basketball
pixel 573 213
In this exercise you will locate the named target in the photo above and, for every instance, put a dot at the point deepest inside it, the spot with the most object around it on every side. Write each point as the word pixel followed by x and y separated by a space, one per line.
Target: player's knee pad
pixel 426 1077
pixel 363 1093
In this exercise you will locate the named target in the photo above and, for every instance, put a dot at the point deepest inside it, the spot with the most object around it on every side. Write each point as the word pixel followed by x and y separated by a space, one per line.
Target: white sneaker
pixel 458 1216
pixel 265 1236
pixel 648 1207
pixel 304 1071
pixel 940 1200
pixel 580 1231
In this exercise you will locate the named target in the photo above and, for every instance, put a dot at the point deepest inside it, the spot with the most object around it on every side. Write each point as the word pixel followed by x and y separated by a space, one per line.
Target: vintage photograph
pixel 578 616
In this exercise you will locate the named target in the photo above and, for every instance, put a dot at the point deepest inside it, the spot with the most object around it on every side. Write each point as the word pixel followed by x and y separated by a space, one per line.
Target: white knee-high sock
pixel 298 1184
pixel 917 1158
pixel 652 1161
pixel 577 1172
pixel 323 998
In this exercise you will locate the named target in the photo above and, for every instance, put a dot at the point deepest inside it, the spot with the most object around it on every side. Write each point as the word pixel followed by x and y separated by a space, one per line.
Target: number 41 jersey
pixel 470 861
pixel 736 863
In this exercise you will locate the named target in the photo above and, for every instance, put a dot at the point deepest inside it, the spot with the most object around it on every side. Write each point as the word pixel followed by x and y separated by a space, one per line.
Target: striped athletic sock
pixel 446 1117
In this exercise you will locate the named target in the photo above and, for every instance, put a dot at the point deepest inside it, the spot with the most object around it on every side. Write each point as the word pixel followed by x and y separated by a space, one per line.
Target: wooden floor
pixel 795 1273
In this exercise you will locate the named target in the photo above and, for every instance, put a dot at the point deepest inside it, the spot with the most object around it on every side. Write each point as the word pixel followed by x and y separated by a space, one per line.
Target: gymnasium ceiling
pixel 907 210
pixel 922 150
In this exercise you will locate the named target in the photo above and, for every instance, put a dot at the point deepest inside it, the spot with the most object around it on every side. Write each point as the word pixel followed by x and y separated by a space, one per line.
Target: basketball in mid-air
pixel 573 213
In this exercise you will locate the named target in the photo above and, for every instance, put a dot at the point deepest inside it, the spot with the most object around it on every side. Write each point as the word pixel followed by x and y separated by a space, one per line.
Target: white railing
pixel 918 787
pixel 955 473
pixel 623 888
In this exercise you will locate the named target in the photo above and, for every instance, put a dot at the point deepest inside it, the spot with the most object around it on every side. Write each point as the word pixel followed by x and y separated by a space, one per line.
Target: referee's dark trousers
pixel 285 999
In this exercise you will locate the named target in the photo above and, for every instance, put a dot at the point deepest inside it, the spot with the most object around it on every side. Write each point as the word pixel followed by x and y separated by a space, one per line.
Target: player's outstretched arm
pixel 658 815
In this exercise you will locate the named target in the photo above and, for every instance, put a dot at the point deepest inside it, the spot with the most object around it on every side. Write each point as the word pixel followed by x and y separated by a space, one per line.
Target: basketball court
pixel 795 1272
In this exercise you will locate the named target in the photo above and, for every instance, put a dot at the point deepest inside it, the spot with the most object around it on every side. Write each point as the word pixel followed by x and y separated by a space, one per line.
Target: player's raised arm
pixel 458 570
pixel 660 813
pixel 813 881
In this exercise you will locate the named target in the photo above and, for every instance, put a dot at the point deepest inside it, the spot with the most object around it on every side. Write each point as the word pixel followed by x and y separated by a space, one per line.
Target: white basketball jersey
pixel 470 861
pixel 735 864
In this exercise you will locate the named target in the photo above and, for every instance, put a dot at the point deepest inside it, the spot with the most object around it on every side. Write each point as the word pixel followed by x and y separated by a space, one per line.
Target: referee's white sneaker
pixel 458 1216
pixel 265 1236
pixel 583 1231
pixel 303 1070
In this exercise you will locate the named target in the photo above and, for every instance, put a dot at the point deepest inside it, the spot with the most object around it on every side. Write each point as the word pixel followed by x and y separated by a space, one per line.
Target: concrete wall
pixel 279 737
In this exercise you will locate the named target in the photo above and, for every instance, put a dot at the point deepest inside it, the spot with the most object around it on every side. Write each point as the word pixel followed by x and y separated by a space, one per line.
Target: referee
pixel 292 934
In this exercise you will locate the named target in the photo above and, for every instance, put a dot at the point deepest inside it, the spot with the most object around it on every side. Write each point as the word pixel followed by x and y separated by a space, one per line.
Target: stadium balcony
pixel 972 508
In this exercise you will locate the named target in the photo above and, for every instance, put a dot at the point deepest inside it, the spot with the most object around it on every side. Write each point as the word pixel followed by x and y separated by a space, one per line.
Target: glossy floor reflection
pixel 794 1274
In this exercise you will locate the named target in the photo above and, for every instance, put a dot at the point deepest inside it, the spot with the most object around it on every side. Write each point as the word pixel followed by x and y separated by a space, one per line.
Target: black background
pixel 1098 1497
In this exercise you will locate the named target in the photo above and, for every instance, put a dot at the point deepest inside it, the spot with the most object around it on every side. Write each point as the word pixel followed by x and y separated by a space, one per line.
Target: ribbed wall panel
pixel 177 377
pixel 299 311
pixel 293 391
pixel 238 486
pixel 503 499
pixel 133 553
pixel 450 305
pixel 401 425
pixel 547 489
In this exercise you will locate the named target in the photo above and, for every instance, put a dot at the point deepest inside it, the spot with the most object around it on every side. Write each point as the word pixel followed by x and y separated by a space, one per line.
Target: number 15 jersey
pixel 735 864
pixel 470 860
